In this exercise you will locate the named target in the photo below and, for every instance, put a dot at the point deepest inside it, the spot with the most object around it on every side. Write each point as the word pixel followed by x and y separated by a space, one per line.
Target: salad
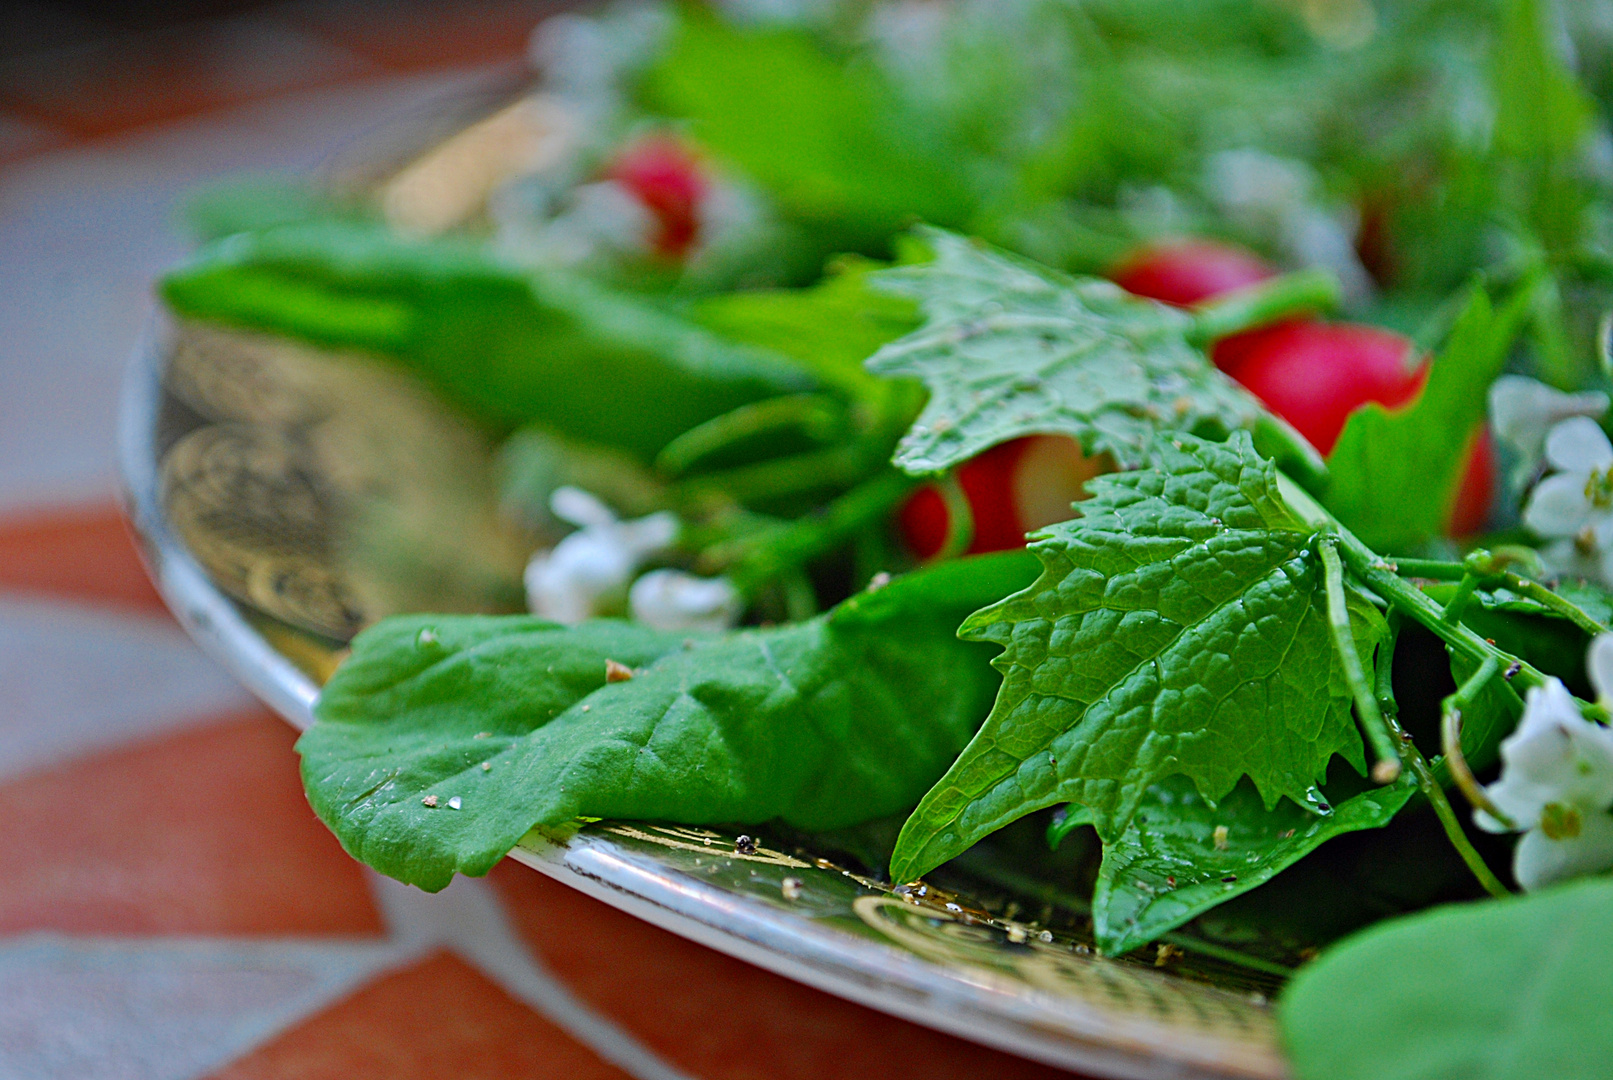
pixel 1280 328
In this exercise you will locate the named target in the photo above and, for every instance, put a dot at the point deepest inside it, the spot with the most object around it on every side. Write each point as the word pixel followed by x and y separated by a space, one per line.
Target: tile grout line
pixel 470 919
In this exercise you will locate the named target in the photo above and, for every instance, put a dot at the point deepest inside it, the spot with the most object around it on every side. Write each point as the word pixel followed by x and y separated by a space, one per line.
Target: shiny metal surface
pixel 287 496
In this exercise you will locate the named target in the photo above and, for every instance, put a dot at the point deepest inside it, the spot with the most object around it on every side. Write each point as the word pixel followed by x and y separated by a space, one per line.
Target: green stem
pixel 1377 575
pixel 1450 733
pixel 1277 439
pixel 1387 768
pixel 1421 772
pixel 780 477
pixel 1459 599
pixel 821 417
pixel 1300 292
pixel 1431 569
pixel 960 519
pixel 800 598
pixel 1453 828
pixel 752 561
pixel 1546 598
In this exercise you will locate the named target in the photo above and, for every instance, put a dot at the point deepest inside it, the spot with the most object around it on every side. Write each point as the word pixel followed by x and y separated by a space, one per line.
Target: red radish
pixel 1185 273
pixel 1312 374
pixel 1190 272
pixel 665 175
pixel 1315 374
pixel 1013 488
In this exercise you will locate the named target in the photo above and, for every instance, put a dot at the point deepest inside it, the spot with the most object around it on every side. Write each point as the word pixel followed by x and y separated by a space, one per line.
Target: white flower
pixel 586 573
pixel 1574 506
pixel 673 600
pixel 1556 782
pixel 1523 410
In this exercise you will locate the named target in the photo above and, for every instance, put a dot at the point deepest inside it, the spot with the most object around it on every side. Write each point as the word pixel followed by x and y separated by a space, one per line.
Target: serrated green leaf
pixel 1178 626
pixel 1394 474
pixel 1171 864
pixel 1509 990
pixel 1174 862
pixel 1009 348
pixel 826 723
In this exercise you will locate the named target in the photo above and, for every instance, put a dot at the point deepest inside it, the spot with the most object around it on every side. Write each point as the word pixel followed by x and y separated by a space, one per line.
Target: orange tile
pixel 122 81
pixel 718 1017
pixel 438 1019
pixel 79 553
pixel 205 831
pixel 419 35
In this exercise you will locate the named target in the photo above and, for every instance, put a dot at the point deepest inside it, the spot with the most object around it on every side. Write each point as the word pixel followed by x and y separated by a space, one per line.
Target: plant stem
pixel 754 560
pixel 1302 291
pixel 1453 828
pixel 1458 601
pixel 1437 570
pixel 812 471
pixel 1421 772
pixel 1450 733
pixel 1387 768
pixel 1277 439
pixel 819 415
pixel 1377 575
pixel 1546 598
pixel 960 519
pixel 1432 569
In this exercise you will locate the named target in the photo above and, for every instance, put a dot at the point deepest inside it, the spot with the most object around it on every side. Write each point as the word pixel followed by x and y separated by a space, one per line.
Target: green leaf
pixel 826 723
pixel 1178 626
pixel 1509 990
pixel 830 328
pixel 1171 865
pixel 1009 348
pixel 1541 120
pixel 825 137
pixel 1394 474
pixel 512 346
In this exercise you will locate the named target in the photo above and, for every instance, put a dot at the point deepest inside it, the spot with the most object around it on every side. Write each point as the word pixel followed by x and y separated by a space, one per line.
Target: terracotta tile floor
pixel 169 899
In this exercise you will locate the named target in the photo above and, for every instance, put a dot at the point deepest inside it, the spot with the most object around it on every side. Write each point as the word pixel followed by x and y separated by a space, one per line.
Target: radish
pixel 1183 274
pixel 1312 374
pixel 1013 488
pixel 665 175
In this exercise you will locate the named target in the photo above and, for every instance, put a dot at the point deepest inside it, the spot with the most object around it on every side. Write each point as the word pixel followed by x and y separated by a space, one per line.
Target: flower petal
pixel 1563 558
pixel 1558 507
pixel 1539 860
pixel 674 600
pixel 1599 665
pixel 1523 410
pixel 1579 445
pixel 1555 756
pixel 579 507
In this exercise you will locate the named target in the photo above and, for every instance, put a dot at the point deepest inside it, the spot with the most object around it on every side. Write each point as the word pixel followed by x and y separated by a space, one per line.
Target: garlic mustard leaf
pixel 1179 626
pixel 1010 348
pixel 1181 856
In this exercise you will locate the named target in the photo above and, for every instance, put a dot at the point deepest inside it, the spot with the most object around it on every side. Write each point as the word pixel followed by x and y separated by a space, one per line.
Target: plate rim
pixel 858 970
